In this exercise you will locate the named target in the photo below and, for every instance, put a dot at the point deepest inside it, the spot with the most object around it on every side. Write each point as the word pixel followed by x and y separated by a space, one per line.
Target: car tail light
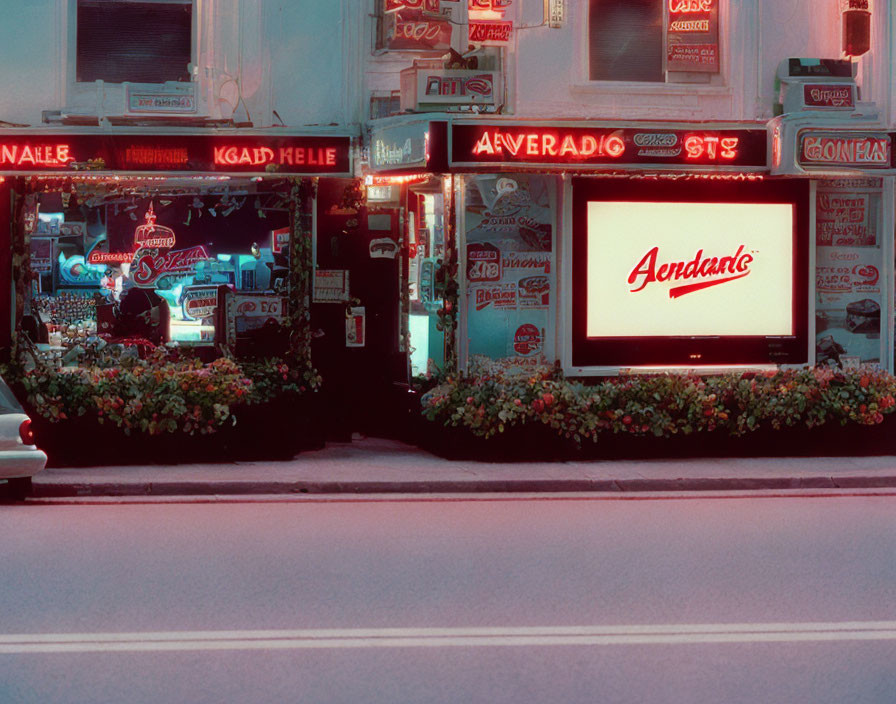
pixel 26 433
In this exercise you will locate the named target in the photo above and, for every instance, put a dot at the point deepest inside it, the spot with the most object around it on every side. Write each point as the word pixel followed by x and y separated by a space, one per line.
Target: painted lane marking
pixel 680 634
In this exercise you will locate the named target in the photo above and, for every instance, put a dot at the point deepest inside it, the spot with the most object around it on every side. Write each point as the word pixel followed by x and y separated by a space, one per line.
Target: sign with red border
pixel 262 154
pixel 585 147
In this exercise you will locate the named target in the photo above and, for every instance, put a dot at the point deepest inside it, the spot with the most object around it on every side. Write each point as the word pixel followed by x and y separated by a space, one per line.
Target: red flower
pixel 626 420
pixel 548 398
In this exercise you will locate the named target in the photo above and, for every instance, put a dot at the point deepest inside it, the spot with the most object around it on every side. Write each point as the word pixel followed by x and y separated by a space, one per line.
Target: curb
pixel 231 488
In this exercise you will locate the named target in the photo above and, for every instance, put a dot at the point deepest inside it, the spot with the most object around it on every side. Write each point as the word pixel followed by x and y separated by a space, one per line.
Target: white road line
pixel 664 634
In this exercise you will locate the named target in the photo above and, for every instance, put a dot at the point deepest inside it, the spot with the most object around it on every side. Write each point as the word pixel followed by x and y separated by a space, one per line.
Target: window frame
pixel 77 91
pixel 582 83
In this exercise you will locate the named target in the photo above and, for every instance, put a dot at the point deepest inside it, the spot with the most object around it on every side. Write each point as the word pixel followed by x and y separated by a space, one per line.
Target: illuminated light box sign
pixel 199 153
pixel 583 147
pixel 414 25
pixel 110 257
pixel 689 269
pixel 714 274
pixel 836 96
pixel 869 151
pixel 490 32
pixel 692 36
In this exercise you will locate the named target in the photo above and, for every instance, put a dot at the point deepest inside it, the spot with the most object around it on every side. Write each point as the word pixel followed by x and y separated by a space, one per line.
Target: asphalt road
pixel 512 599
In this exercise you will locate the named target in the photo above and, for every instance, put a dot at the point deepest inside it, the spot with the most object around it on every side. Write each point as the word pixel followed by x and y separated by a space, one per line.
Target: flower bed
pixel 501 412
pixel 169 408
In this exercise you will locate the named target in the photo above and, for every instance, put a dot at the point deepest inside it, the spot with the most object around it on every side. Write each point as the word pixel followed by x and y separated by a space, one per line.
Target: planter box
pixel 535 442
pixel 277 430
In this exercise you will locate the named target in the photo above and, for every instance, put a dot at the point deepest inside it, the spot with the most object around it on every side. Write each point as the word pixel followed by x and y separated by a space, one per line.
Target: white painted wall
pixel 299 57
pixel 546 68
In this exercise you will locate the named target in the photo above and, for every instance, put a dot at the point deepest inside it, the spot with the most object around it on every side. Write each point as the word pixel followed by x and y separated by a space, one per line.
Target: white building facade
pixel 624 186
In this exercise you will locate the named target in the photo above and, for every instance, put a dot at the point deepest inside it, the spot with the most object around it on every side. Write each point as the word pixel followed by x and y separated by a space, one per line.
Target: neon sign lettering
pixel 870 151
pixel 700 146
pixel 680 6
pixel 490 31
pixel 426 5
pixel 645 272
pixel 689 26
pixel 480 84
pixel 547 144
pixel 110 258
pixel 262 156
pixel 499 6
pixel 150 266
pixel 418 31
pixel 35 154
pixel 152 235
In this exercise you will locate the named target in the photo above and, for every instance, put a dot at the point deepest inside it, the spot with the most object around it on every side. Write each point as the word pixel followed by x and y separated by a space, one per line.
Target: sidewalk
pixel 370 465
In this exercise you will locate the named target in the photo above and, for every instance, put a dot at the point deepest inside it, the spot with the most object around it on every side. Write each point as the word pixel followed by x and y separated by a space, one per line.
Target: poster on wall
pixel 692 36
pixel 356 327
pixel 331 286
pixel 847 216
pixel 415 25
pixel 510 273
pixel 848 281
pixel 847 307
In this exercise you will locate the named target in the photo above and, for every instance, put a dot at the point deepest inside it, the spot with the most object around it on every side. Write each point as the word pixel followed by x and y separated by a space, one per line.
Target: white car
pixel 19 457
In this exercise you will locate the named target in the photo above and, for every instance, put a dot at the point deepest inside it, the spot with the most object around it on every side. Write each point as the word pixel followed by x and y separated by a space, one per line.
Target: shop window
pixel 510 273
pixel 140 42
pixel 413 25
pixel 385 105
pixel 653 41
pixel 162 263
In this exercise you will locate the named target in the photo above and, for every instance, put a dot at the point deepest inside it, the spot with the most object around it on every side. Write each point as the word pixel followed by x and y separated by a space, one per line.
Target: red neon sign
pixel 736 266
pixel 152 235
pixel 425 5
pixel 150 266
pixel 262 156
pixel 490 31
pixel 110 258
pixel 710 147
pixel 682 6
pixel 499 6
pixel 35 154
pixel 549 145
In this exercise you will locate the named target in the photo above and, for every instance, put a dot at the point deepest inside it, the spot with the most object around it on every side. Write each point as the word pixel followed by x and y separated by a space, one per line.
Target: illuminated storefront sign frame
pixel 305 155
pixel 579 147
pixel 866 150
pixel 691 278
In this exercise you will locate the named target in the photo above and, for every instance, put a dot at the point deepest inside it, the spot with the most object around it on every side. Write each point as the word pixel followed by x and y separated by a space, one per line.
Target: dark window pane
pixel 141 42
pixel 626 40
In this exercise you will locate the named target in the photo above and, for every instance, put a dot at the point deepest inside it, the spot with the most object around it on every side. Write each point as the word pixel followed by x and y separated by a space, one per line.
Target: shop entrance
pixel 357 343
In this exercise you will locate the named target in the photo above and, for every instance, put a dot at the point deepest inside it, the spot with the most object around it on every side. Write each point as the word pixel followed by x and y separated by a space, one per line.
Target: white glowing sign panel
pixel 689 269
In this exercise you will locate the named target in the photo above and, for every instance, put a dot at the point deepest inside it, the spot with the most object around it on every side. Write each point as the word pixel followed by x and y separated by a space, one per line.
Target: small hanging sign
pixel 383 248
pixel 355 327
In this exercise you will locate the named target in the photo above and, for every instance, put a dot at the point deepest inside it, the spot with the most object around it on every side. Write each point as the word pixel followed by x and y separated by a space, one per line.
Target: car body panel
pixel 16 458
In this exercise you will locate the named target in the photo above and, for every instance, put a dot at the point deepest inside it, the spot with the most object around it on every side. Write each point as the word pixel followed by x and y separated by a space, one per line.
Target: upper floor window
pixel 145 41
pixel 653 41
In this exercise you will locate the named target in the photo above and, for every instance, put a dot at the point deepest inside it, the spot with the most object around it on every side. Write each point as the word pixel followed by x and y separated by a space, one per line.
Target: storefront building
pixel 194 226
pixel 705 224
